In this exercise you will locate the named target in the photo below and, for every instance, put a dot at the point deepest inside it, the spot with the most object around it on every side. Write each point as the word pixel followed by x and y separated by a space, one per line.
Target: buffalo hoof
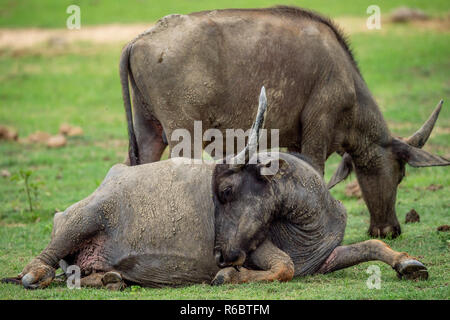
pixel 37 275
pixel 386 231
pixel 411 270
pixel 230 275
pixel 112 280
pixel 225 275
pixel 218 280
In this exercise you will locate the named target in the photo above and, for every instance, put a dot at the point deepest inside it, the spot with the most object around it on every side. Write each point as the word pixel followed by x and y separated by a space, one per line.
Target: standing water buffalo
pixel 203 66
pixel 174 223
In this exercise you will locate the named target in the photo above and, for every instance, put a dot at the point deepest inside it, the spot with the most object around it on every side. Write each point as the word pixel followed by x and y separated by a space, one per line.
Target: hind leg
pixel 83 221
pixel 347 256
pixel 149 136
pixel 148 131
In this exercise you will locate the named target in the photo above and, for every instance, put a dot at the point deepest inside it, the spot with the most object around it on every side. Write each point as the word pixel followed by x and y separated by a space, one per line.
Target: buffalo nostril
pixel 219 259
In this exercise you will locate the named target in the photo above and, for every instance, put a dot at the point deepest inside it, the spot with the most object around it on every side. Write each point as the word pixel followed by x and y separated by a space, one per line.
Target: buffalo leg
pixel 76 228
pixel 347 256
pixel 111 280
pixel 149 133
pixel 275 265
pixel 94 280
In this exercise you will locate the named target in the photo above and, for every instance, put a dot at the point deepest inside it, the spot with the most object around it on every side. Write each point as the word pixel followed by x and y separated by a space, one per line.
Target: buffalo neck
pixel 369 132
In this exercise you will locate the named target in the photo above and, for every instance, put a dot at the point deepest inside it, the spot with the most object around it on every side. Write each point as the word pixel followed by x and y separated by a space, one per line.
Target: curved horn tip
pixel 262 96
pixel 439 106
pixel 421 136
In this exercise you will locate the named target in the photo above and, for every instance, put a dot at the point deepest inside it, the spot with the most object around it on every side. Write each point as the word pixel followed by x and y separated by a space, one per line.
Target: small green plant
pixel 31 188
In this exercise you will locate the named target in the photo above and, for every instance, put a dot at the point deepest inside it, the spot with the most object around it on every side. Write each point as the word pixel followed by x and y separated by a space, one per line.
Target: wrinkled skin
pixel 209 65
pixel 161 224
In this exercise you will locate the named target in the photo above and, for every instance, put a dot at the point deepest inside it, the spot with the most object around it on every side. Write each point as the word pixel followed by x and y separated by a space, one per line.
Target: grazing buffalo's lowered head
pixel 245 201
pixel 381 170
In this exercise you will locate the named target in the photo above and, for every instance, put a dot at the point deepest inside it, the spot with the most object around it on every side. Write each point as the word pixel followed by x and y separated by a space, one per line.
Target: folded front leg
pixel 275 265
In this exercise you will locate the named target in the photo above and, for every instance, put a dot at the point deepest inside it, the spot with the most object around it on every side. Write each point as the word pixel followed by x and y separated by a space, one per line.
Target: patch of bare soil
pixel 439 24
pixel 37 137
pixel 405 14
pixel 41 137
pixel 5 173
pixel 412 216
pixel 55 38
pixel 434 187
pixel 352 25
pixel 57 141
pixel 8 133
pixel 352 190
pixel 21 38
pixel 438 129
pixel 12 225
pixel 69 130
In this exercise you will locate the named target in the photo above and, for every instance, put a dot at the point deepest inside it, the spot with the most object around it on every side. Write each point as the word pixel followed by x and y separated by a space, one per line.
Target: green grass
pixel 406 71
pixel 52 13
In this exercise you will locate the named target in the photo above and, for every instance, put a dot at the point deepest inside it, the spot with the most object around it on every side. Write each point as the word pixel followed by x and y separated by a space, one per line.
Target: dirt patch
pixel 353 25
pixel 37 137
pixel 437 130
pixel 12 225
pixel 8 133
pixel 57 141
pixel 352 190
pixel 412 216
pixel 439 24
pixel 434 187
pixel 41 137
pixel 57 39
pixel 69 130
pixel 405 14
pixel 5 173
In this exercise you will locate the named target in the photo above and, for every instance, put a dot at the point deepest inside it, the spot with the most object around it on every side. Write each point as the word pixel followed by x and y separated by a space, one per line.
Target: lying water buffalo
pixel 174 223
pixel 203 66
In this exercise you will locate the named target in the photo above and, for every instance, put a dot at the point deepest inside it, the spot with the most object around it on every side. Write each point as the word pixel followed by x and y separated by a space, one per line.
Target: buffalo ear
pixel 342 172
pixel 272 168
pixel 416 157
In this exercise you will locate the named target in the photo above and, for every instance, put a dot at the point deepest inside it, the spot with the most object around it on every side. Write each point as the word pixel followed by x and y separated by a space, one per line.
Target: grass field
pixel 406 69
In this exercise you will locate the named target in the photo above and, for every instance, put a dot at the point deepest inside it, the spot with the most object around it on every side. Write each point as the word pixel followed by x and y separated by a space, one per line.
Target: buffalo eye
pixel 226 194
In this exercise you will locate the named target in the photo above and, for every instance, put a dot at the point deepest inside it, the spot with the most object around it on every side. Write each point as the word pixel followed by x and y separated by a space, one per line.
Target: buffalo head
pixel 245 201
pixel 381 169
